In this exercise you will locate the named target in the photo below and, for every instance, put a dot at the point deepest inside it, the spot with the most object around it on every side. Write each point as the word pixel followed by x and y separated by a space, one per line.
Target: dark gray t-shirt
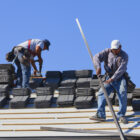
pixel 116 65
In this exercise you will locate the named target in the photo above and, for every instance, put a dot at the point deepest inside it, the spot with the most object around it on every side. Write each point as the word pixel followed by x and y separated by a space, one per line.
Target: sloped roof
pixel 27 122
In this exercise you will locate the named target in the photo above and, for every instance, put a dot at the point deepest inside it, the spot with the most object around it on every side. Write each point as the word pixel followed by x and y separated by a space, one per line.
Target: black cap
pixel 47 42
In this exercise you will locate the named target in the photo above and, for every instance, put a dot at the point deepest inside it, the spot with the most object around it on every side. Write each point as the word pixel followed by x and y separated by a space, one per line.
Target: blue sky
pixel 101 20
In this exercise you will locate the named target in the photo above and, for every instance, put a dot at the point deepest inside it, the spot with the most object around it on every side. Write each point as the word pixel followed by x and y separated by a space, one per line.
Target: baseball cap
pixel 47 42
pixel 115 44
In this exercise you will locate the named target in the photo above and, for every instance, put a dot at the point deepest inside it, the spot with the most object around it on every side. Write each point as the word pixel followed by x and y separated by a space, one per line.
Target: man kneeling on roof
pixel 115 64
pixel 24 55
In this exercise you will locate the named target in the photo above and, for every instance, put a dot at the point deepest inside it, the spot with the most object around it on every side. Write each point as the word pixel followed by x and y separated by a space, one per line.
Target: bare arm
pixel 38 52
pixel 34 66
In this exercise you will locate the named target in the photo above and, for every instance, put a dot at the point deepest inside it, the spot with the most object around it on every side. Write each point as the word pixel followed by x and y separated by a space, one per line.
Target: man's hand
pixel 108 81
pixel 35 72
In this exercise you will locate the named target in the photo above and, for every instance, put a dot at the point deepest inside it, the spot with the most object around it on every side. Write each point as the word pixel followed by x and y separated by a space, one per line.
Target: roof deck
pixel 75 123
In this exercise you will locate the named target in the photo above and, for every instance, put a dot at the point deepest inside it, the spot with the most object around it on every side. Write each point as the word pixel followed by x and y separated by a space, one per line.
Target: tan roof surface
pixel 27 122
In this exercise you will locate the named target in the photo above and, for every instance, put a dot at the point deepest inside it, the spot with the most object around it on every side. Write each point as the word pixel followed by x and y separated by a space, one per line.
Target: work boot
pixel 123 120
pixel 97 118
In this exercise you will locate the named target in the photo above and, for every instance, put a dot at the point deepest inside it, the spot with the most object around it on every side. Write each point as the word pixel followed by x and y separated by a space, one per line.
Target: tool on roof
pixel 102 86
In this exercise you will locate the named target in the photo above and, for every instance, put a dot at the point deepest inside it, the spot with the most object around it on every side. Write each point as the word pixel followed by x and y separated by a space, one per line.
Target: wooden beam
pixel 61 123
pixel 26 118
pixel 76 130
pixel 66 117
pixel 93 129
pixel 36 77
pixel 1 130
pixel 83 131
pixel 57 112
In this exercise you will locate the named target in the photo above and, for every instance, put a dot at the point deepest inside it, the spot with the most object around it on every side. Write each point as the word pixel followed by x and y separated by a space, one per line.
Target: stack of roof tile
pixel 67 89
pixel 20 97
pixel 136 99
pixel 7 73
pixel 44 97
pixel 53 79
pixel 85 95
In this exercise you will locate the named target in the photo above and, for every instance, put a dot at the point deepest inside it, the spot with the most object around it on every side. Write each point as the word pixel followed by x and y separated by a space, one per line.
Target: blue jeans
pixel 121 89
pixel 23 74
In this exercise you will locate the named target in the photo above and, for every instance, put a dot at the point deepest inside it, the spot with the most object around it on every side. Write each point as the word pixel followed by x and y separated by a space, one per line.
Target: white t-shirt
pixel 34 43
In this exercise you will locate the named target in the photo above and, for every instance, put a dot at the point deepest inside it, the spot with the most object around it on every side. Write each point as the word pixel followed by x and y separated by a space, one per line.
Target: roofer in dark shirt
pixel 115 64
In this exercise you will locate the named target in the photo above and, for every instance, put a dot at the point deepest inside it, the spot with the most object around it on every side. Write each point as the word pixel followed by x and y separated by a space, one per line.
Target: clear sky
pixel 102 21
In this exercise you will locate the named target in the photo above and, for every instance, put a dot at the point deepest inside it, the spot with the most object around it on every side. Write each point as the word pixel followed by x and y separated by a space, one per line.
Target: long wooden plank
pixel 102 86
pixel 66 117
pixel 37 77
pixel 2 130
pixel 83 131
pixel 76 130
pixel 108 116
pixel 57 112
pixel 26 118
pixel 125 128
pixel 61 123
